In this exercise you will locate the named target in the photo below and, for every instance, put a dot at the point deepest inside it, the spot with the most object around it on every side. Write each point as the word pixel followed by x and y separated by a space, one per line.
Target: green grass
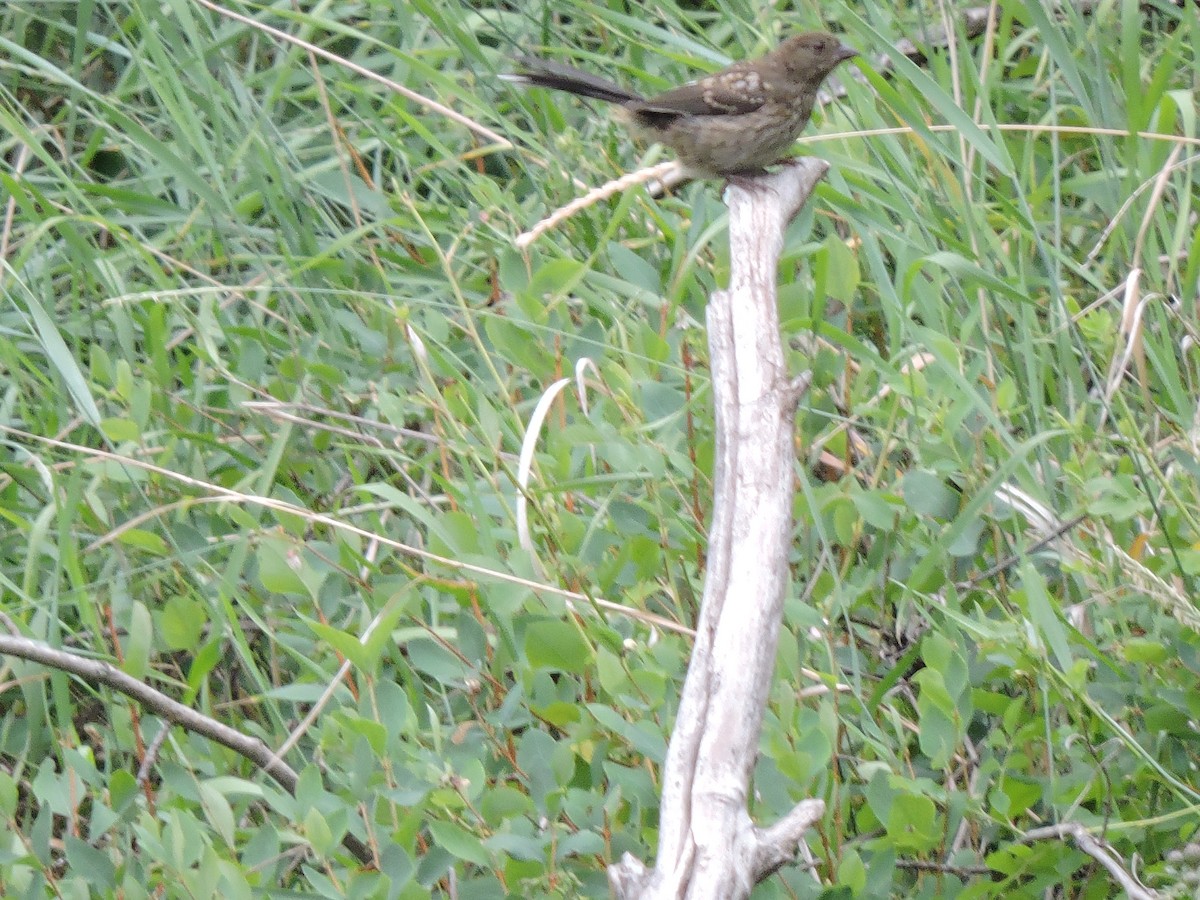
pixel 266 345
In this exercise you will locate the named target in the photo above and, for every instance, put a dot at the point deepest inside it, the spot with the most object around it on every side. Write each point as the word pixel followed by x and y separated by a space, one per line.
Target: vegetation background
pixel 267 351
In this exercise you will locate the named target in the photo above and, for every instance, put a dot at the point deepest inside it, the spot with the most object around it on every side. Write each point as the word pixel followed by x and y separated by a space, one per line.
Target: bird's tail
pixel 561 77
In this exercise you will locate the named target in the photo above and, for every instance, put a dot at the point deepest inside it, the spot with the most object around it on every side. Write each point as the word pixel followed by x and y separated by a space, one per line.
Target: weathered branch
pixel 708 845
pixel 1098 850
pixel 96 671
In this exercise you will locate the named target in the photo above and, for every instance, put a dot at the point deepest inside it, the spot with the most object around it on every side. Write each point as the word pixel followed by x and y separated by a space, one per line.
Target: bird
pixel 732 123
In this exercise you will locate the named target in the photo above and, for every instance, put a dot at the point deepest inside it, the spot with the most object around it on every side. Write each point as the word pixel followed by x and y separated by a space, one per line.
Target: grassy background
pixel 245 287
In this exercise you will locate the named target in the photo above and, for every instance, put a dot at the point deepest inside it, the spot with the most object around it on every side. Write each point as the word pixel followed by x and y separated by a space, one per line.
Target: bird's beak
pixel 846 52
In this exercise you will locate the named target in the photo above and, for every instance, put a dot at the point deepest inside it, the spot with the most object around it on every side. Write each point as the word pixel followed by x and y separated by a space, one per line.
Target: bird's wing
pixel 735 91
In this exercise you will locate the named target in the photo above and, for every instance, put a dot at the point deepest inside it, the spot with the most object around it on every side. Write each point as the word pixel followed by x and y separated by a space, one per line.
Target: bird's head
pixel 813 55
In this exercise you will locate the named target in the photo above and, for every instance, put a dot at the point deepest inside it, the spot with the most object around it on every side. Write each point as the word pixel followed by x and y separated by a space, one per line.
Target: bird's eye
pixel 819 46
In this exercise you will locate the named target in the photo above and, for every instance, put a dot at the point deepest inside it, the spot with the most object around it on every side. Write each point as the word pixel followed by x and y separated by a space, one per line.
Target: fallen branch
pixel 97 672
pixel 1097 850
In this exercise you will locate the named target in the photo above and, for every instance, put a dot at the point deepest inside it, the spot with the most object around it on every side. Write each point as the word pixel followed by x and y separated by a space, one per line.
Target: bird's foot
pixel 746 180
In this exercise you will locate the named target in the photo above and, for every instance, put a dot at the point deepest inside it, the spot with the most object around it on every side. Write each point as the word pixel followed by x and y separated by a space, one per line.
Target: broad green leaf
pixel 550 644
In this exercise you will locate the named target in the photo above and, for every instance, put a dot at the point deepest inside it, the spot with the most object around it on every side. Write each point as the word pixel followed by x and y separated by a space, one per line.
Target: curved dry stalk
pixel 665 173
pixel 483 131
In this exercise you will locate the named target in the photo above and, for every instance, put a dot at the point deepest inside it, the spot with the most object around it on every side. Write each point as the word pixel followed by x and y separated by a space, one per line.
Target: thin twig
pixel 1010 561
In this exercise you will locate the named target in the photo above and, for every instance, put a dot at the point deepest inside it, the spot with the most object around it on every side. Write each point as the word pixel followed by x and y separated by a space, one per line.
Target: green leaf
pixel 927 494
pixel 218 812
pixel 938 721
pixel 8 794
pixel 141 639
pixel 1045 615
pixel 559 646
pixel 181 622
pixel 281 567
pixel 645 738
pixel 119 430
pixel 851 872
pixel 437 661
pixel 346 644
pixel 90 864
pixel 146 541
pixel 318 833
pixel 459 843
pixel 1143 650
pixel 58 354
pixel 913 823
